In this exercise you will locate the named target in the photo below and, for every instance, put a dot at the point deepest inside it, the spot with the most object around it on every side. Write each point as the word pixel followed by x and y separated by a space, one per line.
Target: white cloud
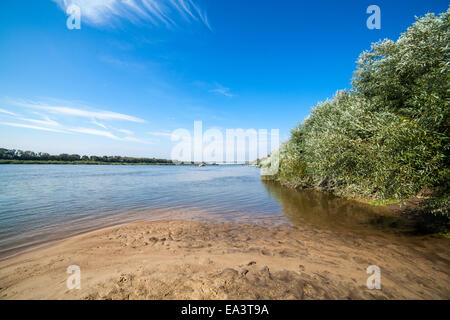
pixel 222 90
pixel 21 125
pixel 70 111
pixel 95 132
pixel 99 124
pixel 106 12
pixel 133 139
pixel 158 11
pixel 60 109
pixel 8 112
pixel 128 132
pixel 110 135
pixel 160 134
pixel 189 10
pixel 46 122
pixel 101 133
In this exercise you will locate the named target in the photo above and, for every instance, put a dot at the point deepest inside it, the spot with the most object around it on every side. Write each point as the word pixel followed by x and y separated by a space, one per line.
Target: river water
pixel 44 203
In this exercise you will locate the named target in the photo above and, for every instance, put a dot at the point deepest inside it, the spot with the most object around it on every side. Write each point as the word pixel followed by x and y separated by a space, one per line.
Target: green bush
pixel 387 137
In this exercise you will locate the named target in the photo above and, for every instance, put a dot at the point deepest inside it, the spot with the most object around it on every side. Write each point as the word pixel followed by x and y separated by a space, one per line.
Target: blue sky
pixel 139 69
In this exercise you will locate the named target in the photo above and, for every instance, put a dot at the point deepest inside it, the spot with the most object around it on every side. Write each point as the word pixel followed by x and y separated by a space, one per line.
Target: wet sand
pixel 200 260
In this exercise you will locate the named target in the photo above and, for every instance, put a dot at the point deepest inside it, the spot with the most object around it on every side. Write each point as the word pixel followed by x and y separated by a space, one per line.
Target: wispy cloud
pixel 160 134
pixel 8 112
pixel 89 131
pixel 134 139
pixel 189 10
pixel 22 125
pixel 77 112
pixel 128 132
pixel 66 113
pixel 98 124
pixel 156 12
pixel 95 132
pixel 222 90
pixel 107 134
pixel 46 122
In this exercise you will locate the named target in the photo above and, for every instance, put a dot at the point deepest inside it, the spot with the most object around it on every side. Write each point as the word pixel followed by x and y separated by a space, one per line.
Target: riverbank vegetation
pixel 29 157
pixel 386 138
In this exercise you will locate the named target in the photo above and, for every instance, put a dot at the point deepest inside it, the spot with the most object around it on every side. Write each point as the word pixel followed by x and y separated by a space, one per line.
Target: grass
pixel 383 202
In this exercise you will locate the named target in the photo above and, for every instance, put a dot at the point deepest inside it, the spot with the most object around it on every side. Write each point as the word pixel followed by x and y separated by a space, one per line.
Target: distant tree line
pixel 12 154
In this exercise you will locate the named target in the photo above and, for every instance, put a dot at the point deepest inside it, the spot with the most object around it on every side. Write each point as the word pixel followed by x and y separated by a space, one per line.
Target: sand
pixel 198 260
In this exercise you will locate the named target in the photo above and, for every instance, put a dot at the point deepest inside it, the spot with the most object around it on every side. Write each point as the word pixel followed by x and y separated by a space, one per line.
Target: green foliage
pixel 387 137
pixel 18 156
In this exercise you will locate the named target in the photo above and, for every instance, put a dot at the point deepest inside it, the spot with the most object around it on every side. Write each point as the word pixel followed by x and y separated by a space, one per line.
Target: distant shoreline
pixel 86 163
pixel 13 156
pixel 2 161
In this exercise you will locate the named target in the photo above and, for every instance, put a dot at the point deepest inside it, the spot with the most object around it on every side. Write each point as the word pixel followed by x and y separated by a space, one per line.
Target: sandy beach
pixel 200 260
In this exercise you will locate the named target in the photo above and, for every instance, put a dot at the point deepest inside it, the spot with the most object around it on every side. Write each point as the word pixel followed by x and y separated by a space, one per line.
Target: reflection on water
pixel 324 211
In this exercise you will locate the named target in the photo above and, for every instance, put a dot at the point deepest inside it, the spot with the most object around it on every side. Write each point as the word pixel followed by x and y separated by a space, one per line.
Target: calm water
pixel 41 203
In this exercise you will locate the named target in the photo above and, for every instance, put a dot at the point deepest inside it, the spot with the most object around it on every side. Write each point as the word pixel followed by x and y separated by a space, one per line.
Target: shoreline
pixel 85 163
pixel 41 245
pixel 128 217
pixel 181 259
pixel 408 208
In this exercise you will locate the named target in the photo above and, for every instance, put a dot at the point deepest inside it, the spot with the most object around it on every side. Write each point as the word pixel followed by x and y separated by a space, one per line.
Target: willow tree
pixel 388 136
